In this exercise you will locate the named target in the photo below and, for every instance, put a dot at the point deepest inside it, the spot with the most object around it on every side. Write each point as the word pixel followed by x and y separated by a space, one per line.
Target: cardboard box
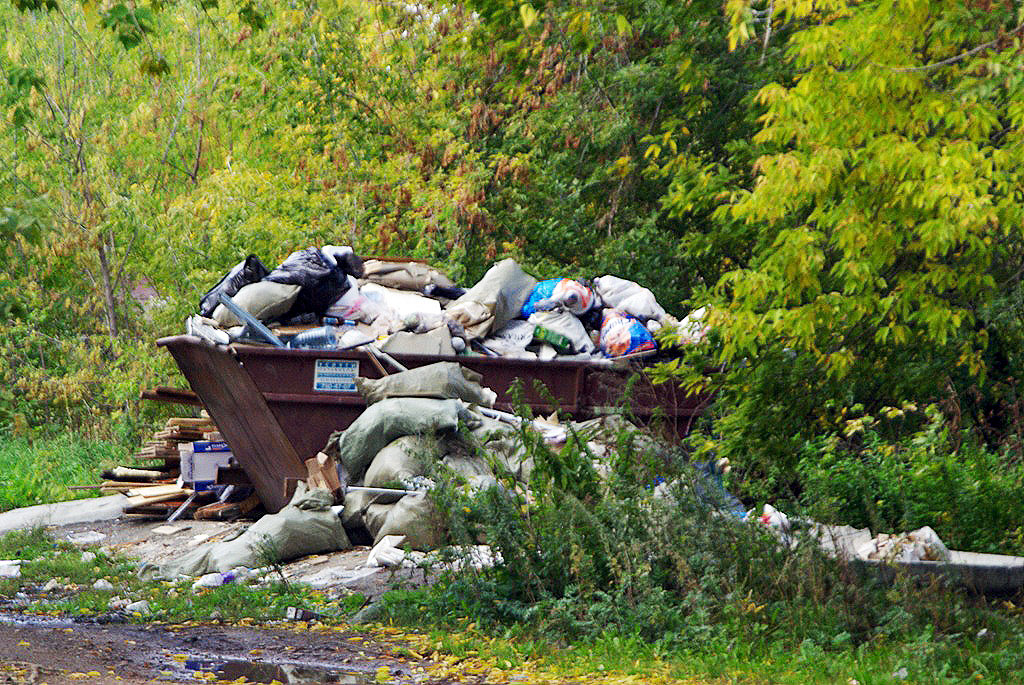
pixel 200 461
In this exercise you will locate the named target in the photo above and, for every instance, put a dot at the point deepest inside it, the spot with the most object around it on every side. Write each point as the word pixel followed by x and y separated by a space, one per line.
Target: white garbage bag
pixel 629 297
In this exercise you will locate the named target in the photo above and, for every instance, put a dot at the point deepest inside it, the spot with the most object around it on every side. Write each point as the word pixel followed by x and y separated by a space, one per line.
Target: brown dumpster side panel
pixel 665 406
pixel 237 406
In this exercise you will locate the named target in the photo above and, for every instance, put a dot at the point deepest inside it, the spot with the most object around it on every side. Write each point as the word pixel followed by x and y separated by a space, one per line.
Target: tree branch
pixel 952 60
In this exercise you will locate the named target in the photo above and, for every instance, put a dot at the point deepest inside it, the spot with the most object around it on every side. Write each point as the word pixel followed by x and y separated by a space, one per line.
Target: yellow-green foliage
pixel 158 145
pixel 883 225
pixel 890 203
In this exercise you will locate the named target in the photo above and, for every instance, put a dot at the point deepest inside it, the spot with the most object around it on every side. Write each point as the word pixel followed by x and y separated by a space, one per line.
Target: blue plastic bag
pixel 559 292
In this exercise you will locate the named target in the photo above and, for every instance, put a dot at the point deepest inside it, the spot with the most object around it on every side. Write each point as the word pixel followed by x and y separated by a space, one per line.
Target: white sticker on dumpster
pixel 335 375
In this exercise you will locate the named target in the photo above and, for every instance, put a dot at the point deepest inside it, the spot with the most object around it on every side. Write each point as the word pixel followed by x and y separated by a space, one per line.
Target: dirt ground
pixel 34 650
pixel 45 650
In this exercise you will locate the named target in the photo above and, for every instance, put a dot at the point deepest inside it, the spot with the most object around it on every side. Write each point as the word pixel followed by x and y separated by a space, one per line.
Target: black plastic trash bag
pixel 249 270
pixel 323 276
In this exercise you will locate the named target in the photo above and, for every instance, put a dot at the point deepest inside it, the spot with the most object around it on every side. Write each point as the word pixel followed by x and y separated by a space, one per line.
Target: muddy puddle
pixel 262 672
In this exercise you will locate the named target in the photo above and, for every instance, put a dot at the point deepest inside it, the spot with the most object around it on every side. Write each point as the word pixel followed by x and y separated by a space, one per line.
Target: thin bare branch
pixel 767 30
pixel 956 58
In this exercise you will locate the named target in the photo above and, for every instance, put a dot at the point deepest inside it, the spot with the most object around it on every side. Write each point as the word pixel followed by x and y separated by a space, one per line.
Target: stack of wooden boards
pixel 151 483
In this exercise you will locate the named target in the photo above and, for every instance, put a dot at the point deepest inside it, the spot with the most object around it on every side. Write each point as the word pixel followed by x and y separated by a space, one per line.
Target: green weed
pixel 599 567
pixel 933 476
pixel 28 544
pixel 39 472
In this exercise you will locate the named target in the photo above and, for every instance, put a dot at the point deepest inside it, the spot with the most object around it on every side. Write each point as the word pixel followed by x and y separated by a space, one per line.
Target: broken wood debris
pixel 226 511
pixel 153 487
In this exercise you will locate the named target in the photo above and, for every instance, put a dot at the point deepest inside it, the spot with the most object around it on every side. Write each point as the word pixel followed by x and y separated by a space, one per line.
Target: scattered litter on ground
pixel 918 545
pixel 140 607
pixel 387 552
pixel 10 568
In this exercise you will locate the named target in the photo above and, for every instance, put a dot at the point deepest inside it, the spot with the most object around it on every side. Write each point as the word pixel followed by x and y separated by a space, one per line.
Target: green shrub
pixel 934 477
pixel 588 557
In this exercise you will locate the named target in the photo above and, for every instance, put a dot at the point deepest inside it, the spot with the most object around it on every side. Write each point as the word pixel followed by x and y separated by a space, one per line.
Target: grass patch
pixel 39 472
pixel 925 655
pixel 28 544
pixel 45 558
pixel 177 602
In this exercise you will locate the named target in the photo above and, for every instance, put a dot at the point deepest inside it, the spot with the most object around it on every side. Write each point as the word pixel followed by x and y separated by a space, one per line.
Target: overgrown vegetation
pixel 592 560
pixel 840 183
pixel 39 472
pixel 966 491
pixel 852 254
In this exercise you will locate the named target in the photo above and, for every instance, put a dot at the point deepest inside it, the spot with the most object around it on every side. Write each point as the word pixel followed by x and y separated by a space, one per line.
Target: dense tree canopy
pixel 887 215
pixel 840 181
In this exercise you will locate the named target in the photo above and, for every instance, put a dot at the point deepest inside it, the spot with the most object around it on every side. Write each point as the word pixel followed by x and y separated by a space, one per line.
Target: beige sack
pixel 415 517
pixel 265 300
pixel 404 275
pixel 494 301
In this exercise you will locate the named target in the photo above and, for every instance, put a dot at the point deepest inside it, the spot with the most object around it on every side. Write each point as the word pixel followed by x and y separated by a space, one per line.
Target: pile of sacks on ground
pixel 413 308
pixel 431 422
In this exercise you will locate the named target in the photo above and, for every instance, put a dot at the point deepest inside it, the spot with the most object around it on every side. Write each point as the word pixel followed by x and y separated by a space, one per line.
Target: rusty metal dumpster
pixel 277 407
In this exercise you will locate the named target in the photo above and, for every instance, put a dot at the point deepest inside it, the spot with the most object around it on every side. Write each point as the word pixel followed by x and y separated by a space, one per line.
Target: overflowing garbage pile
pixel 433 422
pixel 372 482
pixel 438 421
pixel 409 307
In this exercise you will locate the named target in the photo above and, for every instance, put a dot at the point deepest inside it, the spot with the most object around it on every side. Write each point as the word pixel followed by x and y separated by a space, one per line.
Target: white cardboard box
pixel 199 468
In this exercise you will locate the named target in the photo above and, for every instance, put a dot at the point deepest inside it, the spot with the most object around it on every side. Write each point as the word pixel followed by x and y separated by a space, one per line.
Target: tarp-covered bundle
pixel 388 420
pixel 443 380
pixel 495 300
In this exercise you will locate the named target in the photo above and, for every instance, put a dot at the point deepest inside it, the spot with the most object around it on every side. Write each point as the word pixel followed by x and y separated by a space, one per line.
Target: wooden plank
pixel 171 395
pixel 143 500
pixel 198 424
pixel 166 456
pixel 157 490
pixel 221 511
pixel 242 415
pixel 178 434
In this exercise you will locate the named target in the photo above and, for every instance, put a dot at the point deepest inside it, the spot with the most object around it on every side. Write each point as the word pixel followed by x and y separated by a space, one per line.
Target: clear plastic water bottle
pixel 322 338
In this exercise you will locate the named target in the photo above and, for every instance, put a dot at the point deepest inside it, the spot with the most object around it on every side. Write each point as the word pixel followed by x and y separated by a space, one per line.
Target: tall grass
pixel 935 476
pixel 38 472
pixel 597 561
